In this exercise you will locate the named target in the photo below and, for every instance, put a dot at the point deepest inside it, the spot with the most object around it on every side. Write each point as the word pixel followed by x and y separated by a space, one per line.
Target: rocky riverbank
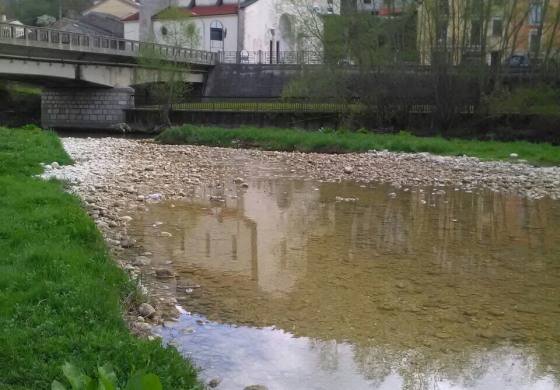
pixel 118 178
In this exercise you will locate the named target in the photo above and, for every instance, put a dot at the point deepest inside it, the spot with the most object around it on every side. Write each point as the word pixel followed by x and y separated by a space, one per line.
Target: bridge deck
pixel 126 50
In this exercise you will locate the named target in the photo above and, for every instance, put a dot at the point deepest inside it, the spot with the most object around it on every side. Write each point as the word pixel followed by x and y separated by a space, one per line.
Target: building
pixel 383 8
pixel 489 31
pixel 272 26
pixel 13 22
pixel 93 23
pixel 118 8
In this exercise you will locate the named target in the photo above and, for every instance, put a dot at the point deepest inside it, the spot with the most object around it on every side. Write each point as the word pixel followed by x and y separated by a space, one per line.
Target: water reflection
pixel 434 288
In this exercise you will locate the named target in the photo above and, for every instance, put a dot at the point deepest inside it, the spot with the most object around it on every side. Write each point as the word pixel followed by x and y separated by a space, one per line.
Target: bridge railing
pixel 267 57
pixel 64 40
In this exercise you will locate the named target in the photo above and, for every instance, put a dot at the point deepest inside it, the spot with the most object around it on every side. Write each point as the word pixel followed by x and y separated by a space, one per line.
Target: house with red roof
pixel 238 25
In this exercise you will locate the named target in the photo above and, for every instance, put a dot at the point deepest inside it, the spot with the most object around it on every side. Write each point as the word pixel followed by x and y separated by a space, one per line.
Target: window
pixel 536 14
pixel 497 27
pixel 216 31
pixel 216 34
pixel 534 41
pixel 163 30
pixel 476 32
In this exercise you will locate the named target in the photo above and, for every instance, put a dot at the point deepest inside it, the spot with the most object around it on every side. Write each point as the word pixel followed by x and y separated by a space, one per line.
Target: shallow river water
pixel 295 284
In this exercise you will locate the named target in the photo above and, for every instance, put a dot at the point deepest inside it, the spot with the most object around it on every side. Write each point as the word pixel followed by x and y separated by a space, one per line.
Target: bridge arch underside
pixel 51 73
pixel 79 96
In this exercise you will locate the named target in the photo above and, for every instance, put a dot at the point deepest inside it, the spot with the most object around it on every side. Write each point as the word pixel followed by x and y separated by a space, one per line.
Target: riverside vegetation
pixel 62 295
pixel 330 141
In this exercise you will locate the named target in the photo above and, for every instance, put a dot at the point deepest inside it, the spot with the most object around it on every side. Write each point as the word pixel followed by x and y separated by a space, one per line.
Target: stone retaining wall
pixel 86 108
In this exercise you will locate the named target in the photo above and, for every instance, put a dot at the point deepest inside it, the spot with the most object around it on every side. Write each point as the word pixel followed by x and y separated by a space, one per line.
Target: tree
pixel 163 69
pixel 27 11
pixel 359 50
pixel 45 20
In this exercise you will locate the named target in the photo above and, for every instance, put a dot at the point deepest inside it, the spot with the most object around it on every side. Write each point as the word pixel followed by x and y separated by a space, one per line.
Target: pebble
pixel 214 382
pixel 164 273
pixel 141 261
pixel 128 242
pixel 143 326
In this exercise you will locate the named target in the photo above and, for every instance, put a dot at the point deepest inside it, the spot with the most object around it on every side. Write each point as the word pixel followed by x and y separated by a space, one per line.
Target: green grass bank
pixel 346 142
pixel 20 104
pixel 62 296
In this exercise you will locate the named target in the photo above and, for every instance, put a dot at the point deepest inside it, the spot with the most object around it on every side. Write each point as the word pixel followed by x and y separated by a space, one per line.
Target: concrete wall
pixel 175 35
pixel 132 30
pixel 93 109
pixel 239 80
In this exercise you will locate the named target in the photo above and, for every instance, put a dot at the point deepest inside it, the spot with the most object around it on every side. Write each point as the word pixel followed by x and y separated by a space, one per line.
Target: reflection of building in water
pixel 257 235
pixel 453 230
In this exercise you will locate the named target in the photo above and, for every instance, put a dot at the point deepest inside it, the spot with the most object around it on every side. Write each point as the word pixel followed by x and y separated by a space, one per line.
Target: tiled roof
pixel 130 18
pixel 224 9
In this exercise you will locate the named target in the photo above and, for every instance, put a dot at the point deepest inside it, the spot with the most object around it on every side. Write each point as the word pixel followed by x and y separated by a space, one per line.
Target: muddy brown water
pixel 307 285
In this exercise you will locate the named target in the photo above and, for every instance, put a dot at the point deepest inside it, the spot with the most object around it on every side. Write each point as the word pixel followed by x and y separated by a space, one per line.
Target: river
pixel 297 284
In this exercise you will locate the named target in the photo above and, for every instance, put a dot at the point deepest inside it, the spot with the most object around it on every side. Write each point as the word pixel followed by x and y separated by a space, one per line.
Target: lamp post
pixel 203 29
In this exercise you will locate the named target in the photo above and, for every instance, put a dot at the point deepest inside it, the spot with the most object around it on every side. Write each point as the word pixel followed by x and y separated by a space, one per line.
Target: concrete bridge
pixel 87 80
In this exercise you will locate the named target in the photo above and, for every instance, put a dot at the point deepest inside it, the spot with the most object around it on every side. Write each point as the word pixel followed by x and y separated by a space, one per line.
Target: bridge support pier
pixel 84 108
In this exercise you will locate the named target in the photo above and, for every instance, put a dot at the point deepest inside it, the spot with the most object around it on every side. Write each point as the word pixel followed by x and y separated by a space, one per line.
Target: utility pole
pixel 239 39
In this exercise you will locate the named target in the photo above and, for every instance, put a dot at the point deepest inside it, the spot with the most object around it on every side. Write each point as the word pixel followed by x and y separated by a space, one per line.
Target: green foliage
pixel 331 141
pixel 537 99
pixel 369 40
pixel 160 71
pixel 107 380
pixel 27 11
pixel 45 20
pixel 404 133
pixel 23 100
pixel 62 294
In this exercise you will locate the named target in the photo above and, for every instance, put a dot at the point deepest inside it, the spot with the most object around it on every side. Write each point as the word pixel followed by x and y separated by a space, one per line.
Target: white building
pixel 271 26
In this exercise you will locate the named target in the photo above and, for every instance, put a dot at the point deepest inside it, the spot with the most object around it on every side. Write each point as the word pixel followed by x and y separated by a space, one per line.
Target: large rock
pixel 146 310
pixel 255 387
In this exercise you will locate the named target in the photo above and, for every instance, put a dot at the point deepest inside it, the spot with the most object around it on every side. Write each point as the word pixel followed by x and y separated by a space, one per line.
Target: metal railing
pixel 63 40
pixel 254 104
pixel 320 105
pixel 271 58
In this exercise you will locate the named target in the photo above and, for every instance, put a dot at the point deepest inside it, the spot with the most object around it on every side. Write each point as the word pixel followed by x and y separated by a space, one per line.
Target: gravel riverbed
pixel 117 177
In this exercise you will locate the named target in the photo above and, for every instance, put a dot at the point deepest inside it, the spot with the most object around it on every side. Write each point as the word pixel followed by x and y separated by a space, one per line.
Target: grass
pixel 21 103
pixel 345 142
pixel 61 294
